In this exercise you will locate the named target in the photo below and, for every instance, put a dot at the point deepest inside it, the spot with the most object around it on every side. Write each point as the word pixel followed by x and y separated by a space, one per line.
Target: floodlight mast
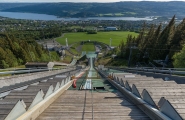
pixel 110 42
pixel 66 43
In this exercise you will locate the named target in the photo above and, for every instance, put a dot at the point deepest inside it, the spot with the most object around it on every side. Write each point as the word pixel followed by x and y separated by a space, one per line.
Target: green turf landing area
pixel 88 47
pixel 116 36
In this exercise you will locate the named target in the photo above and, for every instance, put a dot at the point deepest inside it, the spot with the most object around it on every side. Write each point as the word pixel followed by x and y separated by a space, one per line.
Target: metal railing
pixel 176 71
pixel 14 71
pixel 22 84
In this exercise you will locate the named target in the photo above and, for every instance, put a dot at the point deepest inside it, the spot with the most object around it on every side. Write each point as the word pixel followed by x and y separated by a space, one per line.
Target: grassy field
pixel 67 59
pixel 88 47
pixel 100 36
pixel 73 50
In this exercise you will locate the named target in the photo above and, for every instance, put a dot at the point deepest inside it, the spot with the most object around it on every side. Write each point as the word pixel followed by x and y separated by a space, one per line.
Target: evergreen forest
pixel 126 9
pixel 155 43
pixel 14 51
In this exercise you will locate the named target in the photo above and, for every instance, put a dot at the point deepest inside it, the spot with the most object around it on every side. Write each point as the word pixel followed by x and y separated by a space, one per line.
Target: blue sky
pixel 80 0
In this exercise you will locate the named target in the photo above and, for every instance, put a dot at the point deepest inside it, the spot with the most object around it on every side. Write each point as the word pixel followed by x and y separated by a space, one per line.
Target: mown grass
pixel 119 14
pixel 116 36
pixel 74 51
pixel 112 14
pixel 67 59
pixel 109 14
pixel 108 61
pixel 103 61
pixel 76 45
pixel 131 13
pixel 88 47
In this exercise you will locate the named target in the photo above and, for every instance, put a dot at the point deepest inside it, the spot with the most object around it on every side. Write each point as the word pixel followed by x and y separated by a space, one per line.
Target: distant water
pixel 35 16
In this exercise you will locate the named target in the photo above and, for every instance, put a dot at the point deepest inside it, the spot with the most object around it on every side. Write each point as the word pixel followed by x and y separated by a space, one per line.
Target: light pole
pixel 110 42
pixel 66 43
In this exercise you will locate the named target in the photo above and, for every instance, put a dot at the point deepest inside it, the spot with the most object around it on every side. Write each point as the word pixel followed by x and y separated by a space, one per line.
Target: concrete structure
pixel 104 94
pixel 100 28
pixel 84 105
pixel 39 64
pixel 62 52
pixel 29 101
pixel 74 104
pixel 49 44
pixel 100 66
pixel 17 79
pixel 110 28
pixel 88 105
pixel 159 99
pixel 170 77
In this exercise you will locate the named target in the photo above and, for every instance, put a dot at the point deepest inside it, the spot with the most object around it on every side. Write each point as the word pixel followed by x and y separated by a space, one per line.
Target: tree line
pixel 156 43
pixel 63 9
pixel 14 51
pixel 40 34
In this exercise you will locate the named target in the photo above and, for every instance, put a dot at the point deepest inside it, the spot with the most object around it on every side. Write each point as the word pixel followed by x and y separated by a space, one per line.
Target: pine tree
pixel 2 54
pixel 148 38
pixel 23 55
pixel 3 64
pixel 179 58
pixel 38 48
pixel 122 49
pixel 129 42
pixel 153 42
pixel 10 59
pixel 178 38
pixel 141 37
pixel 15 51
pixel 164 40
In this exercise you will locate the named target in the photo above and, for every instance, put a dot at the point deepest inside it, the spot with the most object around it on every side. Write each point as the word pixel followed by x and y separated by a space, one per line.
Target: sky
pixel 80 0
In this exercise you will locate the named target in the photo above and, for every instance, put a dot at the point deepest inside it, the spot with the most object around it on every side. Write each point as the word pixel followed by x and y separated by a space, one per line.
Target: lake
pixel 35 16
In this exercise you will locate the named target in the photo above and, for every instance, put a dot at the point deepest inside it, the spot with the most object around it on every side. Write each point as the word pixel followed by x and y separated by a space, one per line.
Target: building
pixel 39 64
pixel 100 28
pixel 110 28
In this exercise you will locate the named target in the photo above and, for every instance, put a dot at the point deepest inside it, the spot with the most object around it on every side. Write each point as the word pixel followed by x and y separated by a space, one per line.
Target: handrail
pixel 15 86
pixel 152 64
pixel 178 71
pixel 26 70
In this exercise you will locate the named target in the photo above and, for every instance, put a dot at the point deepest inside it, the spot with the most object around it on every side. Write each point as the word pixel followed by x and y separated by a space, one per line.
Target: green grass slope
pixel 116 36
pixel 88 47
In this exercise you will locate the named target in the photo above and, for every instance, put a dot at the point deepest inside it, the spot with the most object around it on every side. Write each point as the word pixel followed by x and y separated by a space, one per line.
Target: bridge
pixel 102 93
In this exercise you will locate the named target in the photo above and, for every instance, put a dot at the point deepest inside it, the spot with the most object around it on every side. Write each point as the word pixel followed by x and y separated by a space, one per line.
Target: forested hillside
pixel 157 43
pixel 136 9
pixel 14 52
pixel 13 5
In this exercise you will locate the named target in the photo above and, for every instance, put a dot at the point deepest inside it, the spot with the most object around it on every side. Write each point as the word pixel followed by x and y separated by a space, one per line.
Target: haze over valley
pixel 116 9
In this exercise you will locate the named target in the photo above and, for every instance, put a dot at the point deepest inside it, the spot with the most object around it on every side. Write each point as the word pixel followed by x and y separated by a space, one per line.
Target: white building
pixel 110 28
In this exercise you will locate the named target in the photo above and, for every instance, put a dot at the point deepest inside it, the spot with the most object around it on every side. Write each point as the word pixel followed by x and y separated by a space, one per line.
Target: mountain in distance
pixel 13 5
pixel 117 9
